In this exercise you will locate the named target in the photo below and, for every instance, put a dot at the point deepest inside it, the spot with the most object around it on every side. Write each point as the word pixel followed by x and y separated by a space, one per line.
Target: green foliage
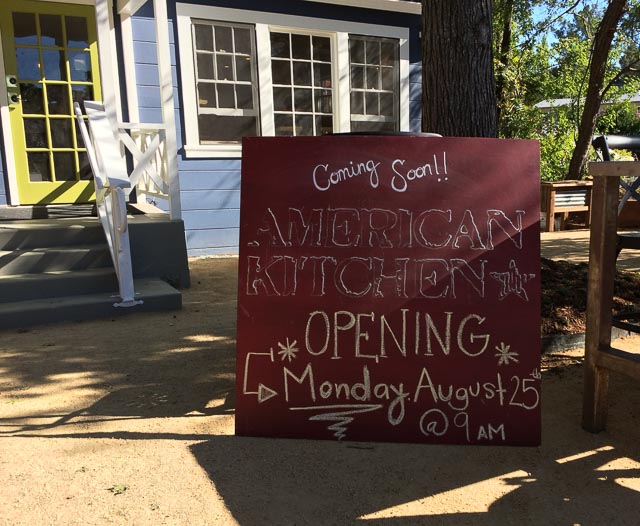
pixel 619 119
pixel 549 59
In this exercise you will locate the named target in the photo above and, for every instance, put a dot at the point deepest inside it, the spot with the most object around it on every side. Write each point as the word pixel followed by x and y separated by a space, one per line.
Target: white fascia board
pixel 399 6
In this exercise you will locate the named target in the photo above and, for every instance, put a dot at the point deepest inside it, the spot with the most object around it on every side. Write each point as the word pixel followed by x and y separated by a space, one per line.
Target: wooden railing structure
pixel 600 356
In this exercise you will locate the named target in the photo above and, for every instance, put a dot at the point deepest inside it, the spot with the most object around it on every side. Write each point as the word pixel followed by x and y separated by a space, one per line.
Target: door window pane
pixel 304 125
pixel 216 128
pixel 28 61
pixel 301 46
pixel 58 99
pixel 280 45
pixel 80 66
pixel 35 133
pixel 281 71
pixel 51 30
pixel 302 73
pixel 85 172
pixel 321 49
pixel 24 29
pixel 31 98
pixel 282 100
pixel 61 133
pixel 77 33
pixel 64 165
pixel 55 67
pixel 39 169
pixel 80 94
pixel 283 124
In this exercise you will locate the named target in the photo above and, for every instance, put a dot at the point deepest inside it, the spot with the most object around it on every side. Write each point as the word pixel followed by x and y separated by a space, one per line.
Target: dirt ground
pixel 131 421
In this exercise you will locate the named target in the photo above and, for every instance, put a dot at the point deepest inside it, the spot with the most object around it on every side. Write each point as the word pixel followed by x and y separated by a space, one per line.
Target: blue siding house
pixel 213 71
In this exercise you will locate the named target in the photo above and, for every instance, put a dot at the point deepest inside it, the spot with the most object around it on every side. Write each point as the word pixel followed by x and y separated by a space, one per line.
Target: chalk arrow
pixel 265 393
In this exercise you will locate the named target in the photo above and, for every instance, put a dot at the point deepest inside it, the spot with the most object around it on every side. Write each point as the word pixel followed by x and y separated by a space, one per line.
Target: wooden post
pixel 599 299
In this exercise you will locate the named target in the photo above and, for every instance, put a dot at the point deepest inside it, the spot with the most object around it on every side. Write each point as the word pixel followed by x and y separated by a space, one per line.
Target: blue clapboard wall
pixel 210 188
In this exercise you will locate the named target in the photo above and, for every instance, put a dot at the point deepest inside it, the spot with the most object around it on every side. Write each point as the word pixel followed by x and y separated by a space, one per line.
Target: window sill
pixel 201 151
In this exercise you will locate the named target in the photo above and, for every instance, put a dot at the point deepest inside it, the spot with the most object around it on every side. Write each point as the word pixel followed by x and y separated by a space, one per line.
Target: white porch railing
pixel 111 181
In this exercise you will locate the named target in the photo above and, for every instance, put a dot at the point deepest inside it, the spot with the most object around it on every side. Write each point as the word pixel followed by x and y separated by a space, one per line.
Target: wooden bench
pixel 562 197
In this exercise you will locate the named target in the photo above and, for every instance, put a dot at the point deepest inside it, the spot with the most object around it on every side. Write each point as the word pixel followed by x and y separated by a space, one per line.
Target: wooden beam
pixel 615 169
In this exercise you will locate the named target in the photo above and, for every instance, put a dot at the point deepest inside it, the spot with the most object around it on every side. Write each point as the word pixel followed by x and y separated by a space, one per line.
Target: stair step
pixel 155 294
pixel 53 259
pixel 37 233
pixel 22 287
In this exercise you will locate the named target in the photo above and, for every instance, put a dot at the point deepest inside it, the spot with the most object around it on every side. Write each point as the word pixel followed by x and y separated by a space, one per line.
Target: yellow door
pixel 51 61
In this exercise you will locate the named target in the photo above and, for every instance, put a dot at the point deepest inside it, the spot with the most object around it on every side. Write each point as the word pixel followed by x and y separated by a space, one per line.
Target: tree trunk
pixel 503 54
pixel 597 66
pixel 459 97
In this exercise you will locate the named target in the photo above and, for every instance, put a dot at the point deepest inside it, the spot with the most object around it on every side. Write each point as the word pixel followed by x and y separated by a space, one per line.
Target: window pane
pixel 205 66
pixel 301 46
pixel 223 39
pixel 64 165
pixel 371 103
pixel 226 97
pixel 366 126
pixel 303 99
pixel 244 95
pixel 204 37
pixel 323 101
pixel 357 102
pixel 283 124
pixel 51 30
pixel 243 69
pixel 281 72
pixel 35 133
pixel 280 45
pixel 373 52
pixel 242 39
pixel 282 100
pixel 39 169
pixel 386 104
pixel 322 75
pixel 61 133
pixel 24 29
pixel 388 79
pixel 372 78
pixel 31 97
pixel 304 125
pixel 356 48
pixel 77 34
pixel 321 49
pixel 388 54
pixel 302 73
pixel 215 128
pixel 224 67
pixel 357 77
pixel 324 124
pixel 58 99
pixel 206 95
pixel 80 66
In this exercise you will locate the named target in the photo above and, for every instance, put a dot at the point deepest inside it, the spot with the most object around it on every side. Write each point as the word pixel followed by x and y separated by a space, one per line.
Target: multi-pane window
pixel 374 65
pixel 225 81
pixel 302 84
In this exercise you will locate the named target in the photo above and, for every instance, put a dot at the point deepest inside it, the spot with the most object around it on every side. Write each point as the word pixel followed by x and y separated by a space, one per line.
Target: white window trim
pixel 399 6
pixel 264 22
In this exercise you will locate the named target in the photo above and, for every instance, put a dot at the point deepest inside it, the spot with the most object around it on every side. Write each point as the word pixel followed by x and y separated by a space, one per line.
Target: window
pixel 247 73
pixel 374 84
pixel 225 80
pixel 302 84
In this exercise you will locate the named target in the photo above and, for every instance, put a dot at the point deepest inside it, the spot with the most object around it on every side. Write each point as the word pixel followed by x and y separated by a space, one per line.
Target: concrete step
pixel 39 233
pixel 54 259
pixel 23 287
pixel 155 294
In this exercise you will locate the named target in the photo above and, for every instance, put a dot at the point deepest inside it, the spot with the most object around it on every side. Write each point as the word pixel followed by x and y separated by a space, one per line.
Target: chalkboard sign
pixel 389 290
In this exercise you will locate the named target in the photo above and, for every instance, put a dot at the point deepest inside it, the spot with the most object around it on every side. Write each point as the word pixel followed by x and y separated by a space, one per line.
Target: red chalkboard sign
pixel 389 290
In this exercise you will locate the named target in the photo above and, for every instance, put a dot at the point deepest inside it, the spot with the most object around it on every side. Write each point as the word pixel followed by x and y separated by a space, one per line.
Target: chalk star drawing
pixel 288 351
pixel 504 355
pixel 512 281
pixel 536 374
pixel 341 415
